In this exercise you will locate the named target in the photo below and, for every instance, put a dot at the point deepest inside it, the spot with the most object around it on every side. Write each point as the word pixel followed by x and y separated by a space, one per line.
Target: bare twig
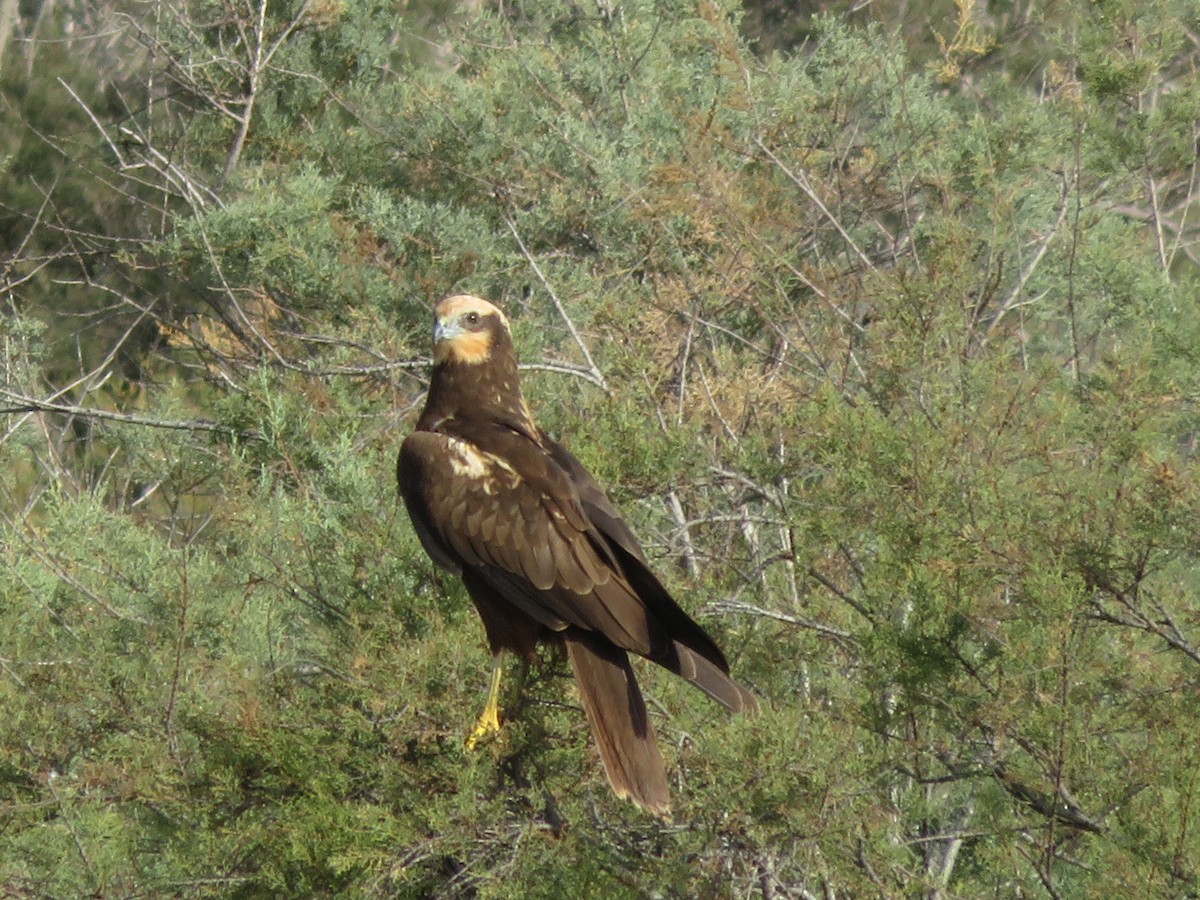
pixel 951 842
pixel 1013 300
pixel 67 817
pixel 1165 628
pixel 1073 255
pixel 676 507
pixel 260 61
pixel 19 403
pixel 565 369
pixel 841 595
pixel 731 607
pixel 537 270
pixel 1057 807
pixel 801 181
pixel 681 523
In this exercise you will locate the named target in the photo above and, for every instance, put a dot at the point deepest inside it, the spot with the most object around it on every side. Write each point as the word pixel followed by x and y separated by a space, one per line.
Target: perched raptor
pixel 542 552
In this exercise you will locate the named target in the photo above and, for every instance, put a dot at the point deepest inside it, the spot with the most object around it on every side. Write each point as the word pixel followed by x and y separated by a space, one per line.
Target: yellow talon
pixel 489 721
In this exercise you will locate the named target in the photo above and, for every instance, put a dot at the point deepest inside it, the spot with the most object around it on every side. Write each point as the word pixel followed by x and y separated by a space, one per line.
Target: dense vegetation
pixel 884 333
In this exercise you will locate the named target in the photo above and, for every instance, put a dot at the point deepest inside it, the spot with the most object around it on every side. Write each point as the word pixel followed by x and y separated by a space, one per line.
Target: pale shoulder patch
pixel 468 461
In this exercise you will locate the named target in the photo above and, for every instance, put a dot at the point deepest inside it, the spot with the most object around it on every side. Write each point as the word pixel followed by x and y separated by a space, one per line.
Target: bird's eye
pixel 472 318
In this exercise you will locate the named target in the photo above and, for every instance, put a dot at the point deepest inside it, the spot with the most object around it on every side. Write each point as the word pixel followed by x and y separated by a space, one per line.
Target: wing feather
pixel 458 513
pixel 487 525
pixel 563 558
pixel 590 567
pixel 504 522
pixel 530 533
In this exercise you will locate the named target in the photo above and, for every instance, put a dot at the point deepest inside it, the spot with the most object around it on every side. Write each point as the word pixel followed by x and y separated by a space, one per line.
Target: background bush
pixel 883 333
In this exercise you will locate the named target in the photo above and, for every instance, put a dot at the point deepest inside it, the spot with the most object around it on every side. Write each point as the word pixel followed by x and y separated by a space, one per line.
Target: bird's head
pixel 467 329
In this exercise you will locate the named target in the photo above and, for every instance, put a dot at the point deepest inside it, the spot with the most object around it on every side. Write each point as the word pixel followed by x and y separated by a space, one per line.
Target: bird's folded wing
pixel 522 525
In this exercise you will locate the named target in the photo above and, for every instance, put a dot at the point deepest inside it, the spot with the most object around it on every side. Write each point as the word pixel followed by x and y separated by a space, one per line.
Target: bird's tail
pixel 620 724
pixel 710 678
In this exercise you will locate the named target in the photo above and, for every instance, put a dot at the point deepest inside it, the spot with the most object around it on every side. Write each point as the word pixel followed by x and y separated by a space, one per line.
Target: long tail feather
pixel 617 713
pixel 711 679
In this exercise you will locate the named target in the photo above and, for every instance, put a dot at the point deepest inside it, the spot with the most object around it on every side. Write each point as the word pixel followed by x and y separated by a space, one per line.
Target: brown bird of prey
pixel 544 555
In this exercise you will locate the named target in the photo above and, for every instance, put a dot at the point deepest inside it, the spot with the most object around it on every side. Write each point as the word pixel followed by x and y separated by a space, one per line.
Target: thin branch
pixel 257 65
pixel 676 507
pixel 198 196
pixel 944 867
pixel 1156 218
pixel 738 607
pixel 1073 255
pixel 801 181
pixel 36 545
pixel 1187 207
pixel 67 817
pixel 566 369
pixel 599 376
pixel 769 356
pixel 841 595
pixel 23 404
pixel 91 380
pixel 1056 807
pixel 1012 301
pixel 1166 629
pixel 681 523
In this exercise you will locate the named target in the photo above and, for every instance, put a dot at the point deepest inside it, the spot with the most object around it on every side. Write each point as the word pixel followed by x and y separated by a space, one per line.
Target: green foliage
pixel 890 341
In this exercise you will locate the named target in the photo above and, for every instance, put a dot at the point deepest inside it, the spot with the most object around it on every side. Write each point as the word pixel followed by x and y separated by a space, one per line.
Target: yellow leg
pixel 489 722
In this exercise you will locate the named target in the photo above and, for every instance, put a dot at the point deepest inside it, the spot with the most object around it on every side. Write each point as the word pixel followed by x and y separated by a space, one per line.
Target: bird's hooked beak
pixel 445 330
